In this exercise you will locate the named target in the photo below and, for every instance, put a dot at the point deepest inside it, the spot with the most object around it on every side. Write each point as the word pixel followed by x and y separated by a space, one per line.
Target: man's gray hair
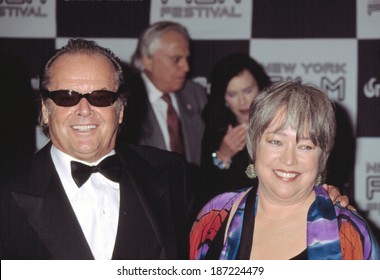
pixel 149 40
pixel 307 109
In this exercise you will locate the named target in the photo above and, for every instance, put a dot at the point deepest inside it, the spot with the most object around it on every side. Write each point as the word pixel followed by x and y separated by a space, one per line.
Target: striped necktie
pixel 174 127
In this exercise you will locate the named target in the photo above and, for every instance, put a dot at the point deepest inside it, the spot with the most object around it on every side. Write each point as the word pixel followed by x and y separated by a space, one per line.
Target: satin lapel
pixel 50 214
pixel 140 233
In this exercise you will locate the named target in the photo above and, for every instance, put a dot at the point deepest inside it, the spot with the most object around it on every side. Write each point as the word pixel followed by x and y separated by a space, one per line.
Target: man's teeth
pixel 84 127
pixel 285 174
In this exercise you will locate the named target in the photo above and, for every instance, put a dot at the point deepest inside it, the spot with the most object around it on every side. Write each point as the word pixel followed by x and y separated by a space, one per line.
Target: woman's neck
pixel 280 228
pixel 276 210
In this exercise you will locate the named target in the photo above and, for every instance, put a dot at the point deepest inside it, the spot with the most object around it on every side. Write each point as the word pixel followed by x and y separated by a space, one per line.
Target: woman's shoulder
pixel 354 230
pixel 223 201
pixel 357 238
pixel 325 205
pixel 210 220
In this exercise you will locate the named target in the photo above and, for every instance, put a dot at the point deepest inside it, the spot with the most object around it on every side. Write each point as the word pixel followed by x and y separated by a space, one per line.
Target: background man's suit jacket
pixel 141 125
pixel 38 222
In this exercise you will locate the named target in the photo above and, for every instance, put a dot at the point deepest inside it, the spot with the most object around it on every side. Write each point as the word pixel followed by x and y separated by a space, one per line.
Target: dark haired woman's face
pixel 240 92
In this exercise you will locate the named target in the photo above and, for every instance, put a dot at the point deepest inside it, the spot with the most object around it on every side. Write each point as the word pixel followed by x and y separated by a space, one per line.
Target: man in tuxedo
pixel 158 69
pixel 82 196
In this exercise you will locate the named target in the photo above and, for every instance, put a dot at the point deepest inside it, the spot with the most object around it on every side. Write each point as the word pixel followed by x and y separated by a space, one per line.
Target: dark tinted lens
pixel 102 98
pixel 66 98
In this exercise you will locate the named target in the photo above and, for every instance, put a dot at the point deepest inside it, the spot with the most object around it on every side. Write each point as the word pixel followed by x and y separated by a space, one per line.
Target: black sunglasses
pixel 68 97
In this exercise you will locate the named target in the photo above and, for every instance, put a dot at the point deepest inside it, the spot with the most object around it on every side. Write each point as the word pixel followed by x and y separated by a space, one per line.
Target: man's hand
pixel 335 196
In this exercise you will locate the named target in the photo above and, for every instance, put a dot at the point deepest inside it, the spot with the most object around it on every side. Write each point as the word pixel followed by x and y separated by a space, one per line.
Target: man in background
pixel 164 107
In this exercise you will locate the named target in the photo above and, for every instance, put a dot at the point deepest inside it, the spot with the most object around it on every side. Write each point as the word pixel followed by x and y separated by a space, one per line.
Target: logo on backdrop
pixel 373 185
pixel 373 6
pixel 332 75
pixel 201 9
pixel 372 89
pixel 22 8
pixel 207 19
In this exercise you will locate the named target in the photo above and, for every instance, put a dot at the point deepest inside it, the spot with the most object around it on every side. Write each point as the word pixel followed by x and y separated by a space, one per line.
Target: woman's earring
pixel 318 181
pixel 251 171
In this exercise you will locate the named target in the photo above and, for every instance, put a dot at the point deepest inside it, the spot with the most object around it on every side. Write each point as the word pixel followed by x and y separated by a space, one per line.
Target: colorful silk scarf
pixel 332 231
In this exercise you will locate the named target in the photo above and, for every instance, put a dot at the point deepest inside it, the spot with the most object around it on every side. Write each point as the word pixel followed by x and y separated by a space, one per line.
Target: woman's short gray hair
pixel 149 40
pixel 307 108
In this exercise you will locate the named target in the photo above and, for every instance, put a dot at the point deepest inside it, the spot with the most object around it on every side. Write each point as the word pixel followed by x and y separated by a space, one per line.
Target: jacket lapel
pixel 49 212
pixel 141 219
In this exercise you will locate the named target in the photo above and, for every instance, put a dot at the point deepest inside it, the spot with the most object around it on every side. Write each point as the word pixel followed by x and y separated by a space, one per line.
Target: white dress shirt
pixel 96 204
pixel 160 107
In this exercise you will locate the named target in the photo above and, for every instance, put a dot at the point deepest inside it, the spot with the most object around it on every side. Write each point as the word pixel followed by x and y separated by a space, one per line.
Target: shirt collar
pixel 62 163
pixel 154 94
pixel 65 159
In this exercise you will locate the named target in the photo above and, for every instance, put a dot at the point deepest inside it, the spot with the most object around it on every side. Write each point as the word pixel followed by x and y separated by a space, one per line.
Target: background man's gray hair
pixel 149 40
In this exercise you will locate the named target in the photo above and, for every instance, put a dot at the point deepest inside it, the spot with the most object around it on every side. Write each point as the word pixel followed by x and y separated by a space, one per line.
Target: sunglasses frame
pixel 74 94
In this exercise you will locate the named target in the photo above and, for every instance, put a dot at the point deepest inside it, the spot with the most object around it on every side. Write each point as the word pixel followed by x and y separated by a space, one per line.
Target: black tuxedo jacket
pixel 38 222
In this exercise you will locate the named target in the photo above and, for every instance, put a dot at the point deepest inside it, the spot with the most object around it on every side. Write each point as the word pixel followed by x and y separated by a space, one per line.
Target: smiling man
pixel 81 196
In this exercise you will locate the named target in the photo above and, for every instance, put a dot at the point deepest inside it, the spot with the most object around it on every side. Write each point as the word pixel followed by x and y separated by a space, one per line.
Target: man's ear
pixel 147 62
pixel 45 112
pixel 121 114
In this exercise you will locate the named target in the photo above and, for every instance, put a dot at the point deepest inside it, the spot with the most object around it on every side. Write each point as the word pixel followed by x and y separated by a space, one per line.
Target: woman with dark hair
pixel 235 81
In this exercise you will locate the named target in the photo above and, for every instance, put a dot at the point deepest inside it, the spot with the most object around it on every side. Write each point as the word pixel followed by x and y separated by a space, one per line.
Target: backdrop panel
pixel 215 19
pixel 304 19
pixel 27 19
pixel 331 64
pixel 367 177
pixel 204 54
pixel 369 88
pixel 124 19
pixel 368 18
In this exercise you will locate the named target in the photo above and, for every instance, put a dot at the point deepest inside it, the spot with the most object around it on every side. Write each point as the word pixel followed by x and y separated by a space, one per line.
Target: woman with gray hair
pixel 289 215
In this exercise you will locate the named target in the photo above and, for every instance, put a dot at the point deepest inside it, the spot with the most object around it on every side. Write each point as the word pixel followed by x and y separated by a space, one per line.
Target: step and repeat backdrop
pixel 334 44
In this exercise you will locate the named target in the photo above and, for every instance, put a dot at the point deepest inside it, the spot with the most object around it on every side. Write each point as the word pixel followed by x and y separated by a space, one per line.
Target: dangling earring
pixel 251 171
pixel 318 181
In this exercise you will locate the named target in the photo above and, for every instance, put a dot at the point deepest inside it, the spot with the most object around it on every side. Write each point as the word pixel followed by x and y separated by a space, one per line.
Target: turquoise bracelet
pixel 223 165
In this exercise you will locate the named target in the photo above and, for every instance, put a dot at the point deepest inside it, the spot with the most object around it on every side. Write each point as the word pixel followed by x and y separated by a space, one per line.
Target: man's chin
pixel 177 88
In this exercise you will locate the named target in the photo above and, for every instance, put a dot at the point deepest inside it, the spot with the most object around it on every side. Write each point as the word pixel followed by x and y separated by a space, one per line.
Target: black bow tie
pixel 109 167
